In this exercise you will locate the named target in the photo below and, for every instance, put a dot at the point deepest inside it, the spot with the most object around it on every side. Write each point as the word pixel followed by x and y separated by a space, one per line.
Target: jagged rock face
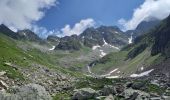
pixel 109 34
pixel 53 39
pixel 69 43
pixel 113 36
pixel 162 39
pixel 91 37
pixel 28 35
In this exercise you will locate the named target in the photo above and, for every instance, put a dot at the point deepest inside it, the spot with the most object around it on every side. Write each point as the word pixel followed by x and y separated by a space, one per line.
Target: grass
pixel 113 60
pixel 96 83
pixel 119 60
pixel 62 96
pixel 155 89
pixel 11 53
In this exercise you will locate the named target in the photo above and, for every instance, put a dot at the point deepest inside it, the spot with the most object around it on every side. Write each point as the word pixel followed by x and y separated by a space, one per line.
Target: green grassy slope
pixel 12 56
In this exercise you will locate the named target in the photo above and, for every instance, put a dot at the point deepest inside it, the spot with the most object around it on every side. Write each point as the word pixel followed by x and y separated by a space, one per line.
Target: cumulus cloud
pixel 78 28
pixel 21 14
pixel 43 32
pixel 158 9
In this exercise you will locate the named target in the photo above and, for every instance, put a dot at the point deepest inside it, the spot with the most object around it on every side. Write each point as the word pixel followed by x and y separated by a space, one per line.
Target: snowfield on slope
pixel 142 74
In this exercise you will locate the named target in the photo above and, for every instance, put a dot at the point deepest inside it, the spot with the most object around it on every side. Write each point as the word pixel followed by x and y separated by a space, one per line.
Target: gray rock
pixel 84 94
pixel 27 92
pixel 131 94
pixel 138 85
pixel 110 97
pixel 107 90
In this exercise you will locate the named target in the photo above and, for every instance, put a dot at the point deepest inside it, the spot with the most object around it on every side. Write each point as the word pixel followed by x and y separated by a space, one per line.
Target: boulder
pixel 119 88
pixel 27 92
pixel 138 85
pixel 107 90
pixel 84 94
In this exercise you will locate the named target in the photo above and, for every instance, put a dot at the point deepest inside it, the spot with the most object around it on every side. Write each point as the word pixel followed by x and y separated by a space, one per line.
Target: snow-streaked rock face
pixel 53 47
pixel 130 39
pixel 105 43
pixel 142 74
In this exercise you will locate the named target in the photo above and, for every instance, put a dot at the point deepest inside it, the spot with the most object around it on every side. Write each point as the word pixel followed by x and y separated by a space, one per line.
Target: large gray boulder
pixel 84 94
pixel 27 92
pixel 107 90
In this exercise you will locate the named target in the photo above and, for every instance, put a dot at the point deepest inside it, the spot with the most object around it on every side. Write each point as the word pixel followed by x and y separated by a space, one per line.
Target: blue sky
pixel 68 17
pixel 105 12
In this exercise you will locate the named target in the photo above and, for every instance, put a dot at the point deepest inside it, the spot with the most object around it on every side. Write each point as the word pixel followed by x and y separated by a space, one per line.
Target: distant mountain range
pixel 111 35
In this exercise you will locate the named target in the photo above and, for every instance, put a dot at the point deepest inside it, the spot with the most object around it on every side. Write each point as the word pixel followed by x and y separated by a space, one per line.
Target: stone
pixel 131 94
pixel 110 97
pixel 27 92
pixel 138 85
pixel 119 88
pixel 107 90
pixel 2 73
pixel 3 85
pixel 84 94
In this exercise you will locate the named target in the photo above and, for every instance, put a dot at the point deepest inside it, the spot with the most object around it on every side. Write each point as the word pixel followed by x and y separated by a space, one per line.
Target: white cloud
pixel 159 9
pixel 43 32
pixel 21 14
pixel 78 28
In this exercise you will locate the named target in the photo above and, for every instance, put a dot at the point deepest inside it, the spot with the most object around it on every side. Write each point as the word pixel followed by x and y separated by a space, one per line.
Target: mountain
pixel 91 37
pixel 53 39
pixel 143 27
pixel 110 34
pixel 69 43
pixel 5 30
pixel 20 35
pixel 28 35
pixel 149 49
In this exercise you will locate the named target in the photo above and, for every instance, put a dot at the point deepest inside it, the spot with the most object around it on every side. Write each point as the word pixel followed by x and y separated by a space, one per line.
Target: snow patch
pixel 142 68
pixel 95 47
pixel 116 32
pixel 107 75
pixel 114 47
pixel 102 53
pixel 113 71
pixel 52 48
pixel 105 43
pixel 118 72
pixel 112 77
pixel 130 39
pixel 142 74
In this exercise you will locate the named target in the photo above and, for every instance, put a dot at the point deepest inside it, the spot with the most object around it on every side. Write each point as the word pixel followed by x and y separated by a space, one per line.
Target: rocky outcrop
pixel 27 92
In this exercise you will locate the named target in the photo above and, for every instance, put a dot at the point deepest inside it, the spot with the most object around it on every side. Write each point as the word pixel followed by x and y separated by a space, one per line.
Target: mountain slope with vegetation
pixel 147 50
